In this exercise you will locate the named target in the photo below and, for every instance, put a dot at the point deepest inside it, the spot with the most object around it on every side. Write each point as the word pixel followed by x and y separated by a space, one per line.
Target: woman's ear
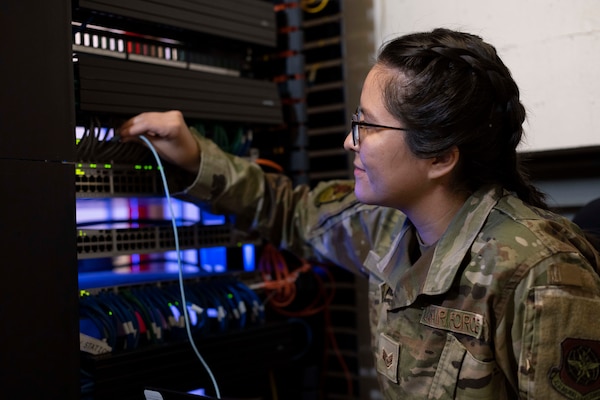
pixel 444 164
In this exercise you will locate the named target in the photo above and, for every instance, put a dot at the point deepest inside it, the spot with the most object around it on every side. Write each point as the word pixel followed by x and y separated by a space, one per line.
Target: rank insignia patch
pixel 333 193
pixel 388 357
pixel 578 375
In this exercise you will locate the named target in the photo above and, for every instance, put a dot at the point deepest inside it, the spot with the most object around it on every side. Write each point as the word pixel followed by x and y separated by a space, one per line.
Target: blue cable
pixel 145 314
pixel 167 303
pixel 235 300
pixel 156 317
pixel 208 302
pixel 195 301
pixel 89 308
pixel 128 312
pixel 116 314
pixel 215 302
pixel 180 265
pixel 253 302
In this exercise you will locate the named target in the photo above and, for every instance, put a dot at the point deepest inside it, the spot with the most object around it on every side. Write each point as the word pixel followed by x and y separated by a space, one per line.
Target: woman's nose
pixel 348 143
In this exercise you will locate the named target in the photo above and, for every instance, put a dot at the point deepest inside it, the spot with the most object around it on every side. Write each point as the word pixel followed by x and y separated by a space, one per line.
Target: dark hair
pixel 454 90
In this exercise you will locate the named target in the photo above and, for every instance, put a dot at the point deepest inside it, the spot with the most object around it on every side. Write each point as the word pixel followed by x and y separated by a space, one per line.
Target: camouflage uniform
pixel 504 303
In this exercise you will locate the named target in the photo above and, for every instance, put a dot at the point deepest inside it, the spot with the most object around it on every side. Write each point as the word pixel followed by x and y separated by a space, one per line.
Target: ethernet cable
pixel 179 263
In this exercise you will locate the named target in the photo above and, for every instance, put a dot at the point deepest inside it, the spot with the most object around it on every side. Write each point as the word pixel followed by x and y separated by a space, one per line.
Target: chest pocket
pixel 459 375
pixel 442 371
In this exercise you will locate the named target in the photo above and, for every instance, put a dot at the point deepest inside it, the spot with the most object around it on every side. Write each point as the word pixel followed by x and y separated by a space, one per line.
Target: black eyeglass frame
pixel 356 123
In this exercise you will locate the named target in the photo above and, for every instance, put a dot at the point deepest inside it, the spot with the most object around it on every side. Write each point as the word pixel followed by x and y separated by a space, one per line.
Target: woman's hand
pixel 169 134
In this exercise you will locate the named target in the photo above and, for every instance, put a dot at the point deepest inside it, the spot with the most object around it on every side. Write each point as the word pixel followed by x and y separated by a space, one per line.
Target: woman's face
pixel 387 173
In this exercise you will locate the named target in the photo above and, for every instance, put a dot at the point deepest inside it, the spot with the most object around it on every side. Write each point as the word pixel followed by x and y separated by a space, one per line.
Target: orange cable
pixel 269 163
pixel 281 283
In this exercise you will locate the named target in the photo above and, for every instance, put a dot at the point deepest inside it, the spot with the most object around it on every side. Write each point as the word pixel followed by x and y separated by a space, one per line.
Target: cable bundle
pixel 98 144
pixel 281 289
pixel 278 282
pixel 129 318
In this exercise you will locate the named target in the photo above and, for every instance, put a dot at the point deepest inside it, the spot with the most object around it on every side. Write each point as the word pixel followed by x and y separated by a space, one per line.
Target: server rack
pixel 39 280
pixel 43 178
pixel 205 69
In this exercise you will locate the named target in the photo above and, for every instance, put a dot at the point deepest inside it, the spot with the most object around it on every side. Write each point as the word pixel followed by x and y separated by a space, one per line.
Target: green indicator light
pixel 93 166
pixel 138 167
pixel 79 165
pixel 229 296
pixel 77 141
pixel 79 172
pixel 110 313
pixel 107 166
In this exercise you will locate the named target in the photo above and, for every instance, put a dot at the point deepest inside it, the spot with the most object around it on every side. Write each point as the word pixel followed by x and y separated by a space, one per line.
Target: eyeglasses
pixel 357 123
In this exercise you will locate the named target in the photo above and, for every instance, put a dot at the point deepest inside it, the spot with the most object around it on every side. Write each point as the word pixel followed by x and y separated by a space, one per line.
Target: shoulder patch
pixel 578 375
pixel 332 193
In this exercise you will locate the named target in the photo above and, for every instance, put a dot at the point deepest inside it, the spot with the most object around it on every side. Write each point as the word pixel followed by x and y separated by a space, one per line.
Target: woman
pixel 476 290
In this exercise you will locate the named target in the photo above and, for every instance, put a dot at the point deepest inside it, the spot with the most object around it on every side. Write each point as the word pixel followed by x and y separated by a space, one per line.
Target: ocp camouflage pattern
pixel 505 305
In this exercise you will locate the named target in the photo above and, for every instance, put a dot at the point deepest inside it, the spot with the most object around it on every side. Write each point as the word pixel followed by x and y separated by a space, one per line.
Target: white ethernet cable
pixel 181 288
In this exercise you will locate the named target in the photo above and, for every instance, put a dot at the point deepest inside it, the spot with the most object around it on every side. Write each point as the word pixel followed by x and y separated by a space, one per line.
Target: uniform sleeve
pixel 325 224
pixel 556 331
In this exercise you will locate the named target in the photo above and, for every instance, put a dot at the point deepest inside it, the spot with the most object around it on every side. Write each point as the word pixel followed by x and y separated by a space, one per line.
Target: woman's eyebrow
pixel 365 113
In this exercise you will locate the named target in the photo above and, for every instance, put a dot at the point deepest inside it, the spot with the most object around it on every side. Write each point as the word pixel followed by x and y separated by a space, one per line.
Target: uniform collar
pixel 434 273
pixel 456 242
